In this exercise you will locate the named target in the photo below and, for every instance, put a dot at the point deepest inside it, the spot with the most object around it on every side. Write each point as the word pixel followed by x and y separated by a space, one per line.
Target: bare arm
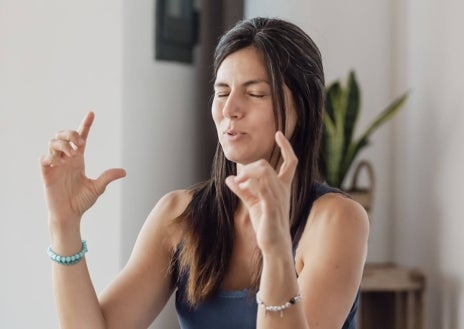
pixel 331 256
pixel 75 296
pixel 145 281
pixel 144 286
pixel 331 267
pixel 69 193
pixel 139 292
pixel 332 252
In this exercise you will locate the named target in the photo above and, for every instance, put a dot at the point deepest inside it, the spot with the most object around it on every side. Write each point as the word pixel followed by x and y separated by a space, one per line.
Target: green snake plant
pixel 339 147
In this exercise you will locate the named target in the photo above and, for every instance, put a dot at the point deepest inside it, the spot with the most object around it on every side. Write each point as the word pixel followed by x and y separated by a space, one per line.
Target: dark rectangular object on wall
pixel 176 30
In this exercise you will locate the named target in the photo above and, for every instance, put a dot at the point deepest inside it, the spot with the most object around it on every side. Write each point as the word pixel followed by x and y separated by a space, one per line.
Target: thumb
pixel 107 177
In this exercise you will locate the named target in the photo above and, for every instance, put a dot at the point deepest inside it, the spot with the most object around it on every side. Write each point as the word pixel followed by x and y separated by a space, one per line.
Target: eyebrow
pixel 246 84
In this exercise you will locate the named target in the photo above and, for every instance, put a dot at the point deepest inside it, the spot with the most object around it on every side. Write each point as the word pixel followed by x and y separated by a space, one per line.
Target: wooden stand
pixel 392 297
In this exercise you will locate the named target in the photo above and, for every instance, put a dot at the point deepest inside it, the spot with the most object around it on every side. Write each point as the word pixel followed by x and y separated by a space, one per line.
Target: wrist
pixel 65 236
pixel 278 250
pixel 63 224
pixel 68 259
pixel 278 279
pixel 282 256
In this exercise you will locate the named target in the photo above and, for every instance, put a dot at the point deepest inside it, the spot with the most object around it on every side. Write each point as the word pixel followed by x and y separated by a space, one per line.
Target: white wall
pixel 159 109
pixel 57 61
pixel 430 156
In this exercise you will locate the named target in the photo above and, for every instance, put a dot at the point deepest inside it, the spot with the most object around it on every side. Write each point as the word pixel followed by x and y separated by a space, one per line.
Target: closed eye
pixel 222 95
pixel 257 95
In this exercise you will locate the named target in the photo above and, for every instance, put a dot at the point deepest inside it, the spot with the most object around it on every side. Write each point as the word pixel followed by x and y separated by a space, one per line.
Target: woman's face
pixel 242 108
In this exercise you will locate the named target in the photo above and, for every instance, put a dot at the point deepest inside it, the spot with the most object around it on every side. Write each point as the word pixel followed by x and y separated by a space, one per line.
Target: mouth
pixel 233 135
pixel 232 132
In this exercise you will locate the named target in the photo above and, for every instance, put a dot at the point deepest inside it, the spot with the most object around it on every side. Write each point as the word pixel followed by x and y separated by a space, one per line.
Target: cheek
pixel 267 119
pixel 216 112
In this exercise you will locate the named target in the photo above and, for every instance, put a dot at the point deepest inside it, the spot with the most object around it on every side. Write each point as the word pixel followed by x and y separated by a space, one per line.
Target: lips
pixel 233 134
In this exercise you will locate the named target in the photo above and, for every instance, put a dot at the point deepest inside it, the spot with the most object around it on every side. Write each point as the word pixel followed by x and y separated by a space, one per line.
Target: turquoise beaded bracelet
pixel 68 260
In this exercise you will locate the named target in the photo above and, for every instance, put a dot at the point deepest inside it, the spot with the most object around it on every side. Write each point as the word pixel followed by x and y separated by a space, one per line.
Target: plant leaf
pixel 332 142
pixel 385 115
pixel 353 108
pixel 331 95
pixel 353 150
pixel 363 141
pixel 338 146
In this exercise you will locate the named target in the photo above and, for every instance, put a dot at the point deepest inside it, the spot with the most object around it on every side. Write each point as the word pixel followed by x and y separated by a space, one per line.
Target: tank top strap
pixel 323 188
pixel 317 190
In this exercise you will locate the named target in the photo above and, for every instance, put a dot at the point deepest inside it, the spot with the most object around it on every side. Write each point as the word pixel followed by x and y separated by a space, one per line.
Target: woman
pixel 261 244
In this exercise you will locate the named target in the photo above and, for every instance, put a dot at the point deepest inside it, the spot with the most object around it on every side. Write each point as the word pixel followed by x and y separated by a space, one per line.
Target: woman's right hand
pixel 69 192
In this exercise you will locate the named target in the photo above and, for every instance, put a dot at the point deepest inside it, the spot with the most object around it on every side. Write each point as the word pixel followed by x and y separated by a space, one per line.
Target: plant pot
pixel 363 195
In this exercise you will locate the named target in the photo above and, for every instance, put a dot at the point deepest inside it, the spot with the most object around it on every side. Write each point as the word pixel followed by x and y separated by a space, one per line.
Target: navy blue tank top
pixel 234 309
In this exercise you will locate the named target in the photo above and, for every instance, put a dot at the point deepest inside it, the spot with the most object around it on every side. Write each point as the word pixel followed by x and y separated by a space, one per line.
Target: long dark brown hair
pixel 207 224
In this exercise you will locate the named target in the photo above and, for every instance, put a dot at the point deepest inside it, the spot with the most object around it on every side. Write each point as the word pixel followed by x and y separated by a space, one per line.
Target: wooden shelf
pixel 392 297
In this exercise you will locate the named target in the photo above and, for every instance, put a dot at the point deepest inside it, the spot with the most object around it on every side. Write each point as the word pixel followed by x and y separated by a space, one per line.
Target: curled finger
pixel 243 194
pixel 253 185
pixel 51 160
pixel 70 136
pixel 60 147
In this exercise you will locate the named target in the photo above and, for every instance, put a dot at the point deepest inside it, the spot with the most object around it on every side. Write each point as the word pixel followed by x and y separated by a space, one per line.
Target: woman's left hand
pixel 265 193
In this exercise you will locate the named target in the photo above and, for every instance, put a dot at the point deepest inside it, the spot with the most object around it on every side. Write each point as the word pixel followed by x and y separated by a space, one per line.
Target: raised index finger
pixel 288 167
pixel 85 125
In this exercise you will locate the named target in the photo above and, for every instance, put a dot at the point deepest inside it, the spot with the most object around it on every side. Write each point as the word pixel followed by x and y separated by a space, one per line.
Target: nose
pixel 233 107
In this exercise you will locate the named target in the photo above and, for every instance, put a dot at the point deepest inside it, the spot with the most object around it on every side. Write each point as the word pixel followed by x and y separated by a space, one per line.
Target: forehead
pixel 241 65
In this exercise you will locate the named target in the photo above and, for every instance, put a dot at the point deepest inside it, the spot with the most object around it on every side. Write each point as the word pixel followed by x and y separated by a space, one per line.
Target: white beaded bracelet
pixel 278 308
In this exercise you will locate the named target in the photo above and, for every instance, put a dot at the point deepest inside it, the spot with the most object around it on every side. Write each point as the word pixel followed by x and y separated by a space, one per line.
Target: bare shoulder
pixel 335 221
pixel 173 203
pixel 142 288
pixel 166 210
pixel 338 209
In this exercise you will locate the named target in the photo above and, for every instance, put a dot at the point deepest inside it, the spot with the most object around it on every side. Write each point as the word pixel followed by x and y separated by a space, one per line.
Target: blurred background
pixel 60 59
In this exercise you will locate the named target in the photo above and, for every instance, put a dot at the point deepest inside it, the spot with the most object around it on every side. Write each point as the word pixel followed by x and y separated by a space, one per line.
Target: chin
pixel 243 160
pixel 236 158
pixel 242 157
